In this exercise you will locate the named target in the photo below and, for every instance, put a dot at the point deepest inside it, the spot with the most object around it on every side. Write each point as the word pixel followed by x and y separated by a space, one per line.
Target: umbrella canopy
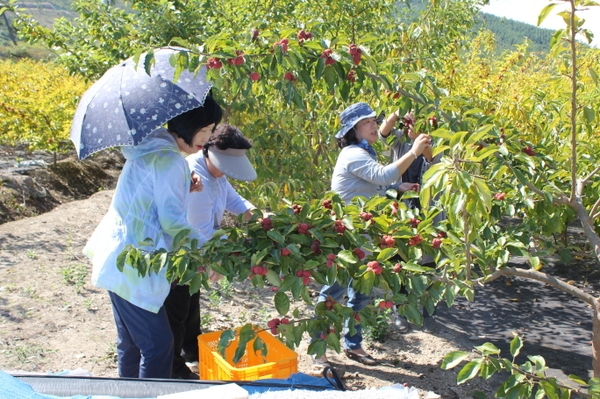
pixel 126 104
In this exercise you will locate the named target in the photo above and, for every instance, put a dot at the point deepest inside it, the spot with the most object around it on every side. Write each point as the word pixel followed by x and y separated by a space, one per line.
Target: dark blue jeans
pixel 144 340
pixel 356 301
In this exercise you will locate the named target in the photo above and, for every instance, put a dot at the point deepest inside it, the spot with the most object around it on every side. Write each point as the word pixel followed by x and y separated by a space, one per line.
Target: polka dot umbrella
pixel 126 104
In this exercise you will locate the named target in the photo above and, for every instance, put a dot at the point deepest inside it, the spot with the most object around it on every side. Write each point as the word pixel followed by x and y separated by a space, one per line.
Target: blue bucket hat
pixel 352 115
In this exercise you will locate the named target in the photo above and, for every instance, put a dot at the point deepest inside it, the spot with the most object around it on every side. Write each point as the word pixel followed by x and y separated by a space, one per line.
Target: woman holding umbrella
pixel 149 202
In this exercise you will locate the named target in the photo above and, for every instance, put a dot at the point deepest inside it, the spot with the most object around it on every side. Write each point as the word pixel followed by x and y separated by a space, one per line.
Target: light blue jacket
pixel 356 173
pixel 206 208
pixel 149 202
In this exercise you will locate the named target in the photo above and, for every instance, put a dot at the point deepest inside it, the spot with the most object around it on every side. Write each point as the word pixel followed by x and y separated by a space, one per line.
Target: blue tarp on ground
pixel 13 388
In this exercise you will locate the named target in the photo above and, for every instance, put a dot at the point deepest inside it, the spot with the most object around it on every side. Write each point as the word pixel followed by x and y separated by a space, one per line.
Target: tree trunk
pixel 9 28
pixel 596 338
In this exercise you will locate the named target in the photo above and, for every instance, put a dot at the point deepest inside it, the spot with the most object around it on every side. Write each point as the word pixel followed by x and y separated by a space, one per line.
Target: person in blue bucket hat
pixel 357 173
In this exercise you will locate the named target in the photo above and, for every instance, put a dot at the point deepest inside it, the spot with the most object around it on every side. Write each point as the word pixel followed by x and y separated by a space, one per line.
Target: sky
pixel 528 11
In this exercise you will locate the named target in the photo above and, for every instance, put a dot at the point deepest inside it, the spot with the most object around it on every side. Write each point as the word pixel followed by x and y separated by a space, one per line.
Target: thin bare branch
pixel 542 277
pixel 588 177
pixel 594 209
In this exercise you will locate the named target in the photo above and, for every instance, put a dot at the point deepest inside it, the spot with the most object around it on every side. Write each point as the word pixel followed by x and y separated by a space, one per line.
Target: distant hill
pixel 508 32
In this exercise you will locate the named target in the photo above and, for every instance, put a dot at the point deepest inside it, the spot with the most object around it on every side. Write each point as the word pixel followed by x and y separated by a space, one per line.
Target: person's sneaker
pixel 193 366
pixel 429 324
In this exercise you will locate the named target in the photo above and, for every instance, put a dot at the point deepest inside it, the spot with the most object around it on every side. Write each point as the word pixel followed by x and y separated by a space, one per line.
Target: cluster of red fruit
pixel 329 303
pixel 258 270
pixel 214 63
pixel 499 196
pixel 387 242
pixel 375 267
pixel 366 216
pixel 237 61
pixel 296 208
pixel 266 224
pixel 274 323
pixel 529 151
pixel 285 252
pixel 327 204
pixel 304 275
pixel 303 36
pixel 433 122
pixel 416 240
pixel 397 268
pixel 283 43
pixel 351 76
pixel 316 247
pixel 339 227
pixel 386 304
pixel 360 254
pixel 303 228
pixel 326 54
pixel 356 53
pixel 414 222
pixel 436 243
pixel 330 260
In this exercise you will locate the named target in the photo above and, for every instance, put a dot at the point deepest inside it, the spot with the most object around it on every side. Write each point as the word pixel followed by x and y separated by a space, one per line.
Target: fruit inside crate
pixel 278 362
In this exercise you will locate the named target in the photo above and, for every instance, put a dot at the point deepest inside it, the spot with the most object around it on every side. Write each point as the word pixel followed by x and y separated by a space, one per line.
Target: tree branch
pixel 588 177
pixel 541 277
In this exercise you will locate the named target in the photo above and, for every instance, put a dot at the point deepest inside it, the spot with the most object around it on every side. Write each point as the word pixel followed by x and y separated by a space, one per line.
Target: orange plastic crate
pixel 280 361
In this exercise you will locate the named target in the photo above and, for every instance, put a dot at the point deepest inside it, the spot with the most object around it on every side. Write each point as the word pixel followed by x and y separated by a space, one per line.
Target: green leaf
pixel 453 359
pixel 515 346
pixel 386 254
pixel 272 278
pixel 551 389
pixel 578 380
pixel 544 13
pixel 488 349
pixel 282 303
pixel 276 236
pixel 224 340
pixel 469 371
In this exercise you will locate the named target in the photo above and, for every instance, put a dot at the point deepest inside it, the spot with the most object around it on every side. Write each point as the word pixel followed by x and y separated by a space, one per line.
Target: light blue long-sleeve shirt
pixel 149 202
pixel 205 209
pixel 356 173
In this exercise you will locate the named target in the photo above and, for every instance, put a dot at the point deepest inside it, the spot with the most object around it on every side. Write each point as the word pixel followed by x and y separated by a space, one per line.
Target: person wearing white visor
pixel 223 157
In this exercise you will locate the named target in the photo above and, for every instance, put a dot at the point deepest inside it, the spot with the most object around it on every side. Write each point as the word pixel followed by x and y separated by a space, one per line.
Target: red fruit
pixel 529 151
pixel 436 243
pixel 500 196
pixel 353 49
pixel 375 267
pixel 214 63
pixel 289 76
pixel 285 252
pixel 300 273
pixel 433 121
pixel 329 61
pixel 285 320
pixel 366 216
pixel 351 76
pixel 297 209
pixel 442 234
pixel 331 257
pixel 273 324
pixel 329 302
pixel 306 280
pixel 315 247
pixel 239 60
pixel 326 53
pixel 266 223
pixel 283 43
pixel 397 268
pixel 386 304
pixel 360 254
pixel 416 240
pixel 387 242
pixel 327 204
pixel 357 317
pixel 339 227
pixel 255 76
pixel 414 222
pixel 329 263
pixel 255 33
pixel 306 273
pixel 396 96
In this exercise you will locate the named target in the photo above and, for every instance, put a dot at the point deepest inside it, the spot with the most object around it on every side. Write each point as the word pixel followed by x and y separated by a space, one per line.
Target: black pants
pixel 183 311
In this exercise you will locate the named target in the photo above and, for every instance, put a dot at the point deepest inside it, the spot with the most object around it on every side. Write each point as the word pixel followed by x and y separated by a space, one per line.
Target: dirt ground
pixel 52 319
